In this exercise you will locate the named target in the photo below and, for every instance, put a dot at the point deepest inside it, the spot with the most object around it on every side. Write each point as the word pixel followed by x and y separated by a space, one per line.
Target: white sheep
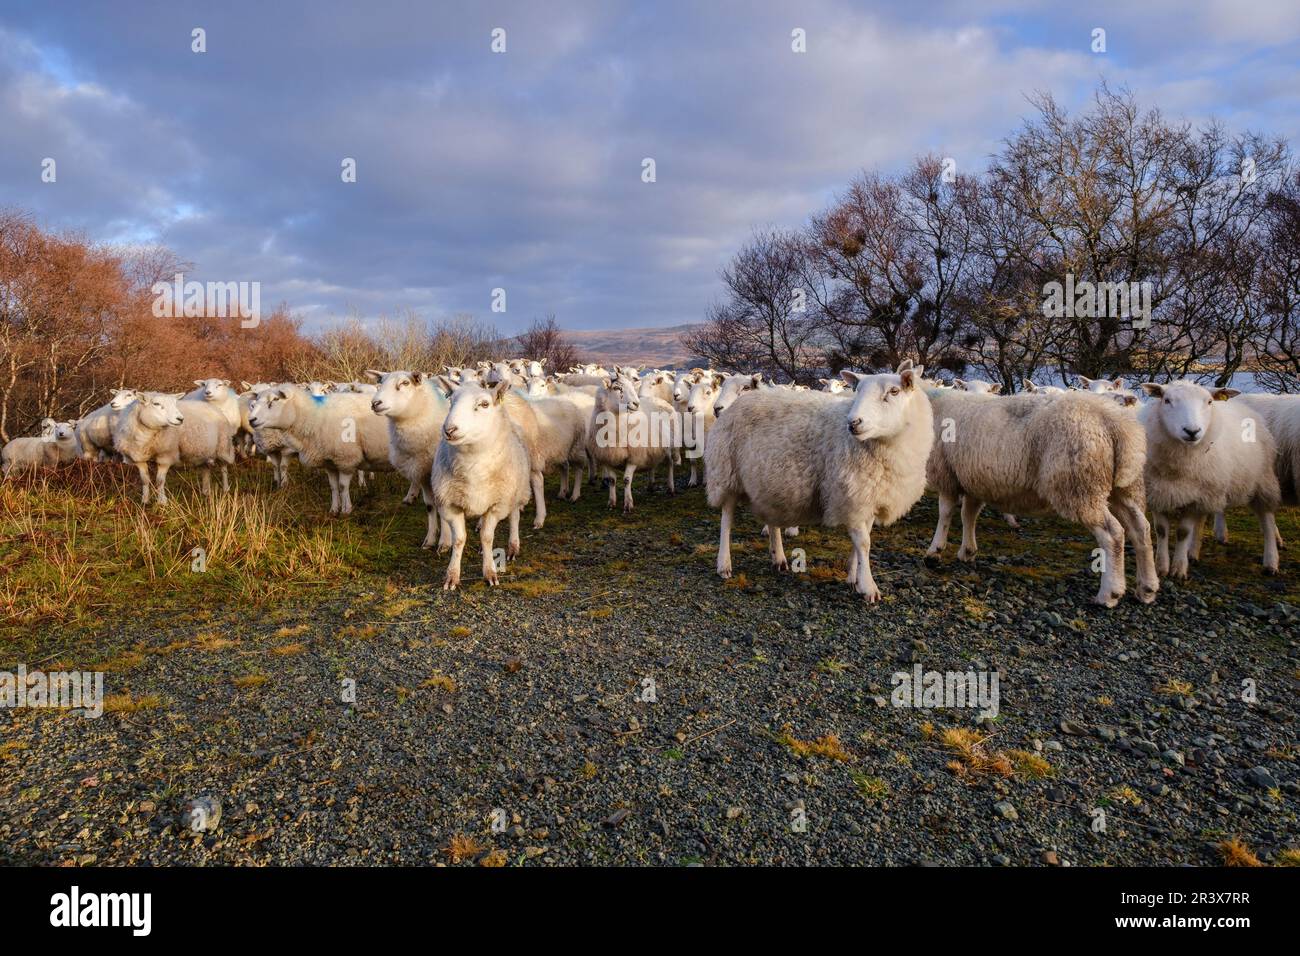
pixel 95 430
pixel 813 457
pixel 338 433
pixel 415 407
pixel 628 432
pixel 1099 386
pixel 563 419
pixel 1031 387
pixel 1205 454
pixel 1282 415
pixel 976 386
pixel 481 470
pixel 30 452
pixel 1077 455
pixel 161 430
pixel 833 386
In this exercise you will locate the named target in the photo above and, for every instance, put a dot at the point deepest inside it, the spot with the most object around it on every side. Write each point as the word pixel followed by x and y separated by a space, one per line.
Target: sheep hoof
pixel 871 595
pixel 426 544
pixel 1110 601
pixel 724 571
pixel 964 555
pixel 451 583
pixel 1270 570
pixel 537 525
pixel 491 579
pixel 931 559
pixel 1147 594
pixel 781 565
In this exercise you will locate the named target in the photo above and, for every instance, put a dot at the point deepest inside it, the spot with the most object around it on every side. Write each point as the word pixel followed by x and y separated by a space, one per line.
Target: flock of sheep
pixel 477 443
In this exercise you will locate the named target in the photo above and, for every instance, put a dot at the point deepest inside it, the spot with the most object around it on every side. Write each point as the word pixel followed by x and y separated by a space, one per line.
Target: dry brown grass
pixel 462 847
pixel 827 746
pixel 1235 853
pixel 440 681
pixel 250 681
pixel 972 756
pixel 126 704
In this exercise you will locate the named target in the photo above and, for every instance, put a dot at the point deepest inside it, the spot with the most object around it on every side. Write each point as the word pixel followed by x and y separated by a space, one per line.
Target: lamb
pixel 415 409
pixel 1206 453
pixel 815 457
pixel 95 430
pixel 630 432
pixel 66 443
pixel 338 433
pixel 1099 386
pixel 481 469
pixel 161 430
pixel 30 452
pixel 1077 455
pixel 1029 386
pixel 834 386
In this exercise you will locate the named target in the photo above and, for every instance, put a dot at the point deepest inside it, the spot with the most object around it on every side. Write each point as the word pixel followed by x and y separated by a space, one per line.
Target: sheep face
pixel 213 389
pixel 536 387
pixel 731 389
pixel 703 395
pixel 1185 410
pixel 122 397
pixel 619 394
pixel 158 410
pixel 475 414
pixel 271 409
pixel 394 391
pixel 880 403
pixel 48 427
pixel 65 431
pixel 1099 385
pixel 975 385
pixel 319 389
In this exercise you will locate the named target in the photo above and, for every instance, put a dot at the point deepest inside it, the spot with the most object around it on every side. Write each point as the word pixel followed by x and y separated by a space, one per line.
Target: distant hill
pixel 657 348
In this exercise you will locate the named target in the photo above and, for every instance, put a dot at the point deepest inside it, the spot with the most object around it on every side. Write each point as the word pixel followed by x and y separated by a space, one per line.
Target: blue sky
pixel 522 170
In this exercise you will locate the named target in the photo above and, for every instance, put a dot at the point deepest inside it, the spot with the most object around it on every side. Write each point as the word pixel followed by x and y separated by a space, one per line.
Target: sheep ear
pixel 903 366
pixel 1126 400
pixel 959 383
pixel 1153 389
pixel 282 392
pixel 718 380
pixel 1118 383
pixel 373 374
pixel 607 381
pixel 198 381
pixel 1223 394
pixel 446 384
pixel 995 389
pixel 417 378
pixel 499 390
pixel 226 382
pixel 1082 381
pixel 542 360
pixel 1029 386
pixel 911 375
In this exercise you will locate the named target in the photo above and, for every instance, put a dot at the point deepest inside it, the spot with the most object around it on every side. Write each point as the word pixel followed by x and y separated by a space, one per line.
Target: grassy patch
pixel 827 746
pixel 1235 853
pixel 126 704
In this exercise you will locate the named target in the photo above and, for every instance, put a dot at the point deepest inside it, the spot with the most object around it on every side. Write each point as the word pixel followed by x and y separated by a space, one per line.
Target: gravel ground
pixel 511 726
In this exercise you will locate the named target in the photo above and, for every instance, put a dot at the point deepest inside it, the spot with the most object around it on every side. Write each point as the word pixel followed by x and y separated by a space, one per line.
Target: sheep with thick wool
pixel 414 406
pixel 95 430
pixel 816 458
pixel 161 430
pixel 1077 455
pixel 1206 452
pixel 563 420
pixel 481 470
pixel 628 432
pixel 32 452
pixel 336 432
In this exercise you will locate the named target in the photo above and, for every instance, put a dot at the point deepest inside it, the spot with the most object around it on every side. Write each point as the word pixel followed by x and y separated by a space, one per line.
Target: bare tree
pixel 544 339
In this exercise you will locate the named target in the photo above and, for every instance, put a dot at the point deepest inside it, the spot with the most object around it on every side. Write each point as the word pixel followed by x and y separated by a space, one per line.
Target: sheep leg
pixel 1012 520
pixel 672 479
pixel 970 512
pixel 864 583
pixel 411 492
pixel 613 487
pixel 1268 525
pixel 225 477
pixel 694 478
pixel 539 499
pixel 457 521
pixel 145 481
pixel 205 479
pixel 333 477
pixel 1220 528
pixel 940 539
pixel 1194 550
pixel 628 503
pixel 487 530
pixel 1182 548
pixel 512 547
pixel 1162 545
pixel 1138 531
pixel 361 480
pixel 430 517
pixel 1110 539
pixel 160 483
pixel 724 538
pixel 564 479
pixel 792 531
pixel 345 493
pixel 578 478
pixel 776 550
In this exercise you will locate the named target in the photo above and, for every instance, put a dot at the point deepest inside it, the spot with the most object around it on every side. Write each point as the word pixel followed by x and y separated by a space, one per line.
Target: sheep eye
pixel 893 391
